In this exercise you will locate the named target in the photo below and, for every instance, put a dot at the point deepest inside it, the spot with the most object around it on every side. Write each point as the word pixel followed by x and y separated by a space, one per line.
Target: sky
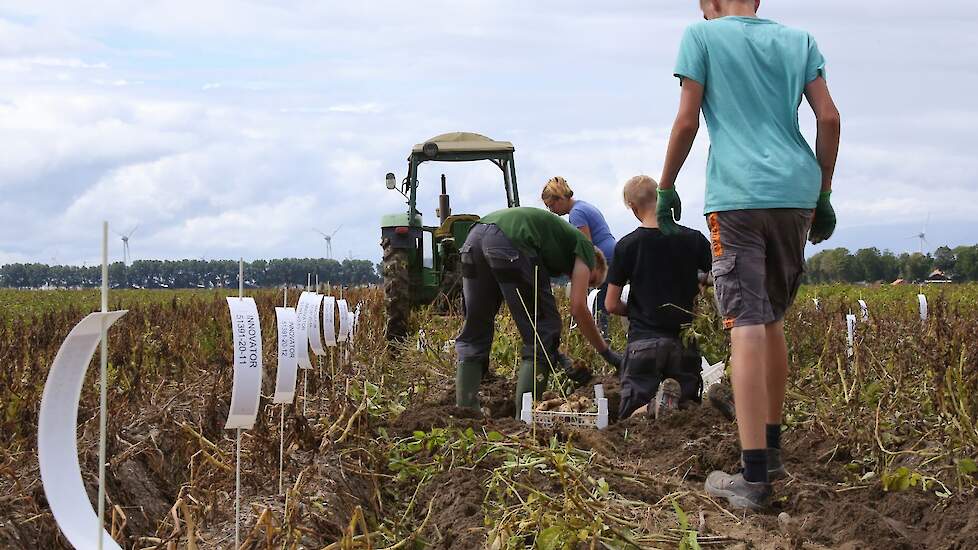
pixel 225 129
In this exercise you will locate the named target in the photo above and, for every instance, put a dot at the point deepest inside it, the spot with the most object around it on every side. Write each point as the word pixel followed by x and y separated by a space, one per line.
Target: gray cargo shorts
pixel 758 262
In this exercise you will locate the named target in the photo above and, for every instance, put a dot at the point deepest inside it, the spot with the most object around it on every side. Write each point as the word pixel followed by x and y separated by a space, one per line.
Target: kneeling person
pixel 507 256
pixel 663 272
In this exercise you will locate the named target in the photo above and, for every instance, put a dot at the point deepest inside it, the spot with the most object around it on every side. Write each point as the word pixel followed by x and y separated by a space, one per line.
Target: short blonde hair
pixel 641 191
pixel 556 188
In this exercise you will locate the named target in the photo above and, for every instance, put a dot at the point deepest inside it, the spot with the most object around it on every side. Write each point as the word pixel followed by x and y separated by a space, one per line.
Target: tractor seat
pixel 445 230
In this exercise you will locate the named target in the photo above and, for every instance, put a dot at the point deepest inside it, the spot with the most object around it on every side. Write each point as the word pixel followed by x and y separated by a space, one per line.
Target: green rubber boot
pixel 467 378
pixel 524 382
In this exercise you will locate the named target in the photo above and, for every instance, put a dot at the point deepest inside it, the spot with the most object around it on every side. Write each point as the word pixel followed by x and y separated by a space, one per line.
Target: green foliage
pixel 190 274
pixel 839 265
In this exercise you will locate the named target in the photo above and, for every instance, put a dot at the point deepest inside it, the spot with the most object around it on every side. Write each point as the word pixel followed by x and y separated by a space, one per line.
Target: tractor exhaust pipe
pixel 444 205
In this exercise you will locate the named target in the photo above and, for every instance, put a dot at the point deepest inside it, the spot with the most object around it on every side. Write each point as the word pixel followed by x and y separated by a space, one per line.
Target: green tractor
pixel 408 282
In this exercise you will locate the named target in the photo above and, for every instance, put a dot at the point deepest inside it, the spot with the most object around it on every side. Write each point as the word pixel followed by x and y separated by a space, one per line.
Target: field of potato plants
pixel 881 447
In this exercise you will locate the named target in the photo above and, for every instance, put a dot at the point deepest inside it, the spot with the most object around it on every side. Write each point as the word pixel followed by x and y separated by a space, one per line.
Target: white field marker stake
pixel 536 318
pixel 103 384
pixel 281 418
pixel 864 309
pixel 922 301
pixel 237 446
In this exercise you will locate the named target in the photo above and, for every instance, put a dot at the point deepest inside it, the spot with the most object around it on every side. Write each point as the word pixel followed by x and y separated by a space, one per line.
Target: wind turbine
pixel 125 244
pixel 922 235
pixel 329 240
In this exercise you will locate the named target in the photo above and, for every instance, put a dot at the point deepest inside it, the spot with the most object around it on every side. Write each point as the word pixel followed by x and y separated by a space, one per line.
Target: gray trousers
pixel 493 270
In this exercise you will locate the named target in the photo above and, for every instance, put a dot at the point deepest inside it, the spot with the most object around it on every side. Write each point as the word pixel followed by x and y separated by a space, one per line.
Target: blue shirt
pixel 584 213
pixel 754 72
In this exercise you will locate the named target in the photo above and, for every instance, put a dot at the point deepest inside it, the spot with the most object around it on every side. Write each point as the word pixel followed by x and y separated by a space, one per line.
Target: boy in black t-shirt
pixel 664 275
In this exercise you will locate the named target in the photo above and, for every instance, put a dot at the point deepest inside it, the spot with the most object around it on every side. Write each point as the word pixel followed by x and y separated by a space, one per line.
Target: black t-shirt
pixel 663 272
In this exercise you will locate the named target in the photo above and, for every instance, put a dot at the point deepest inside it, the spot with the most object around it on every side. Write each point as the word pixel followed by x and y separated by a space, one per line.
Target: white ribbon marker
pixel 850 333
pixel 57 443
pixel 344 321
pixel 329 320
pixel 288 355
pixel 246 390
pixel 923 306
pixel 817 306
pixel 864 309
pixel 353 324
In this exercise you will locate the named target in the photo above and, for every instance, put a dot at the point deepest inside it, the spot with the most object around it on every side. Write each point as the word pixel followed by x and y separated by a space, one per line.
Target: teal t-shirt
pixel 754 72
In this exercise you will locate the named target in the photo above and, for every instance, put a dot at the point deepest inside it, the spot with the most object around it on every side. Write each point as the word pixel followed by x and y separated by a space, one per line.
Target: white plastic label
pixel 288 354
pixel 315 323
pixel 302 331
pixel 57 434
pixel 344 321
pixel 329 320
pixel 923 306
pixel 246 389
pixel 864 309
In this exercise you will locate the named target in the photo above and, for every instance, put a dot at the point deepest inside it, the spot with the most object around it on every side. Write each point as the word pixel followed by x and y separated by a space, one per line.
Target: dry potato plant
pixel 880 447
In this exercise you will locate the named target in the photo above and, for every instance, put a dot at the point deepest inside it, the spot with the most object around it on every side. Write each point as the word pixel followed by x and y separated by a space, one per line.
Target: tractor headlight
pixel 430 149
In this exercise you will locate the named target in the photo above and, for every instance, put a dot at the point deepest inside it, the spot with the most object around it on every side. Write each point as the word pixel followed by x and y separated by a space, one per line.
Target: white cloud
pixel 307 106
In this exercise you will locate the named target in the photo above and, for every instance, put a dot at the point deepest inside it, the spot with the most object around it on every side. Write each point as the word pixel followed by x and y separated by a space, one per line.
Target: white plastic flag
pixel 329 320
pixel 344 321
pixel 246 389
pixel 817 306
pixel 302 332
pixel 57 443
pixel 864 309
pixel 352 324
pixel 923 306
pixel 850 333
pixel 288 355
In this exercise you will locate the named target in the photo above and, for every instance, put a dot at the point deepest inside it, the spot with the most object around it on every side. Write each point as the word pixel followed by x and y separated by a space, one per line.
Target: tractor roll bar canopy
pixel 465 147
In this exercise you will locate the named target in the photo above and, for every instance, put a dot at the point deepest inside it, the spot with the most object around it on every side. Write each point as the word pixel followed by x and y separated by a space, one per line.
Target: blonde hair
pixel 556 188
pixel 641 192
pixel 600 265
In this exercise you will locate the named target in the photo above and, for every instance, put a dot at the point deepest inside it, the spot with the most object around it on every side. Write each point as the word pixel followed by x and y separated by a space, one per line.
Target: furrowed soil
pixel 678 452
pixel 376 455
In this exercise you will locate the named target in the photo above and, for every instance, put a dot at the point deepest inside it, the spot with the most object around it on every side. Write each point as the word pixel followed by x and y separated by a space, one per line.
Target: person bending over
pixel 509 255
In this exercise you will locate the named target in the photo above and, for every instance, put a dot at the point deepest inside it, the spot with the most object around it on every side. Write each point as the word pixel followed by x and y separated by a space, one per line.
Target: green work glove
pixel 823 225
pixel 669 205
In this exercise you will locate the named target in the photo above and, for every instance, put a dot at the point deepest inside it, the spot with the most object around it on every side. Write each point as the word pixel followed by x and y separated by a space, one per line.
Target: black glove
pixel 612 357
pixel 579 376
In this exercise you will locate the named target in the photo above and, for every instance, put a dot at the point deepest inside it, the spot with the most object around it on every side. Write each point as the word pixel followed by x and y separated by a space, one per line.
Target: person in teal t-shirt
pixel 748 75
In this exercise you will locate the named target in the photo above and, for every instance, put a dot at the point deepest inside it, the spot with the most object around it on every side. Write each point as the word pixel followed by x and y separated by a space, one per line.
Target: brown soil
pixel 682 449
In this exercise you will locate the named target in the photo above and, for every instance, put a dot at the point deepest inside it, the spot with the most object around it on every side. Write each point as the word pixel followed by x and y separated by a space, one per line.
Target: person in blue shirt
pixel 766 191
pixel 559 199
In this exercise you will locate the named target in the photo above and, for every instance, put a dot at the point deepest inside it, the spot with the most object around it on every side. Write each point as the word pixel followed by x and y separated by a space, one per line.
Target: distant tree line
pixel 871 265
pixel 190 273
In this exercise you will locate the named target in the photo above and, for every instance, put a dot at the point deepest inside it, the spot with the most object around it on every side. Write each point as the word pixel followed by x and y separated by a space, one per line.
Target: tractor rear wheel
pixel 397 290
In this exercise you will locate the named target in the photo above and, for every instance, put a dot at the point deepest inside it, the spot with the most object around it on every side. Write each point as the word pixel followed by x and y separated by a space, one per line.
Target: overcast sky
pixel 226 129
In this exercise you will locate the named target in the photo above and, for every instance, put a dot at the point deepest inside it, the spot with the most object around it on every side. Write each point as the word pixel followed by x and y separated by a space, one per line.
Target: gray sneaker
pixel 667 398
pixel 739 492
